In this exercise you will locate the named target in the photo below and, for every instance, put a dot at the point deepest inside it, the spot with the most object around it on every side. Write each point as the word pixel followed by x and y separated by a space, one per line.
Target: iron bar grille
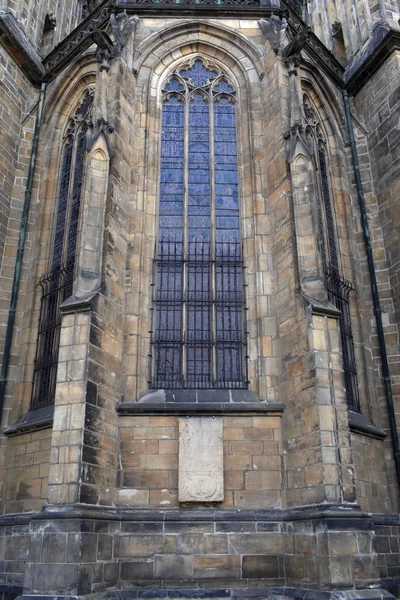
pixel 199 326
pixel 338 290
pixel 55 286
pixel 338 293
pixel 203 2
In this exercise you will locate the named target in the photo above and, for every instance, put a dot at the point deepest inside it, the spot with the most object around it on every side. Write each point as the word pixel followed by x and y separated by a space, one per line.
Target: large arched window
pixel 199 337
pixel 57 284
pixel 338 288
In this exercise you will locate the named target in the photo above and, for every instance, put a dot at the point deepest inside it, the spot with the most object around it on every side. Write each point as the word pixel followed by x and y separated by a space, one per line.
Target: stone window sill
pixel 360 424
pixel 198 402
pixel 33 420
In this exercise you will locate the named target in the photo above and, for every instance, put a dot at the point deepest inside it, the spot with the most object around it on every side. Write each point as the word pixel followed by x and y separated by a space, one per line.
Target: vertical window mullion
pixel 213 251
pixel 185 249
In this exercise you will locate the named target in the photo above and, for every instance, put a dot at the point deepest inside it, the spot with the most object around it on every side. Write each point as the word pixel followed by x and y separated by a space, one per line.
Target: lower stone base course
pixel 228 594
pixel 320 552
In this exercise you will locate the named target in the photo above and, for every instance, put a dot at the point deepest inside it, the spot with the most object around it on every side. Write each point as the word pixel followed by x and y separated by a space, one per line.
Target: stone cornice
pixel 77 41
pixel 367 62
pixel 81 37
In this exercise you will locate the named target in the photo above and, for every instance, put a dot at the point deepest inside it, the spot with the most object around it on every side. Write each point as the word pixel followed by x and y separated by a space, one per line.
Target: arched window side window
pixel 338 289
pixel 198 338
pixel 56 285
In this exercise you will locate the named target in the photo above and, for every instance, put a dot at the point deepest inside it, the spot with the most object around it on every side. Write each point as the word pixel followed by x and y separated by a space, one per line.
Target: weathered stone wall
pixel 374 494
pixel 377 105
pixel 131 462
pixel 31 16
pixel 26 471
pixel 17 100
pixel 387 547
pixel 213 549
pixel 14 548
pixel 252 461
pixel 357 19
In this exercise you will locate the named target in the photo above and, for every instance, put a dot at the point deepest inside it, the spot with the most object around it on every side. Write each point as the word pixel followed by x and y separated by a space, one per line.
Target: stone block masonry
pixel 91 550
pixel 149 461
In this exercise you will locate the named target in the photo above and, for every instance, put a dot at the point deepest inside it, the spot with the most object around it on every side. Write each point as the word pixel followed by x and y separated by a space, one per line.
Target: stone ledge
pixel 360 424
pixel 368 60
pixel 198 401
pixel 17 519
pixel 193 408
pixel 316 307
pixel 33 420
pixel 266 593
pixel 337 515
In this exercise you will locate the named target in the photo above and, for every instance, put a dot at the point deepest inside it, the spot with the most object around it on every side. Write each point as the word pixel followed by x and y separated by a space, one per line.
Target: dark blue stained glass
pixel 170 208
pixel 199 167
pixel 224 86
pixel 222 236
pixel 174 85
pixel 210 342
pixel 198 74
pixel 172 177
pixel 226 176
pixel 227 222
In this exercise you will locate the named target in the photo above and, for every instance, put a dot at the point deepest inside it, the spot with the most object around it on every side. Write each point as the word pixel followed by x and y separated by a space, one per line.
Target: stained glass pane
pixel 174 85
pixel 199 275
pixel 171 179
pixel 223 86
pixel 85 107
pixel 199 188
pixel 62 203
pixel 226 177
pixel 198 74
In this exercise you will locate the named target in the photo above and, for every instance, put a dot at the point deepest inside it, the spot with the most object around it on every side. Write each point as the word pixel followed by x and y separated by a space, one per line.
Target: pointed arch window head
pixel 56 286
pixel 198 299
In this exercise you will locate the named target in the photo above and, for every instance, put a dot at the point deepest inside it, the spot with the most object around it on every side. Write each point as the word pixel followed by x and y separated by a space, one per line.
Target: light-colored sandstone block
pixel 201 463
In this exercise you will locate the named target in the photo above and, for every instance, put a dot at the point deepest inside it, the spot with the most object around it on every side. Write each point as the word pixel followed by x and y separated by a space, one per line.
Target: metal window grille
pixel 338 293
pixel 339 290
pixel 199 333
pixel 199 337
pixel 56 285
pixel 251 3
pixel 55 288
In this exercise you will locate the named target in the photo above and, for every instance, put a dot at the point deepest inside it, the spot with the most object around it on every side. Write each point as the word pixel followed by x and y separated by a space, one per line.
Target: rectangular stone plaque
pixel 201 460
